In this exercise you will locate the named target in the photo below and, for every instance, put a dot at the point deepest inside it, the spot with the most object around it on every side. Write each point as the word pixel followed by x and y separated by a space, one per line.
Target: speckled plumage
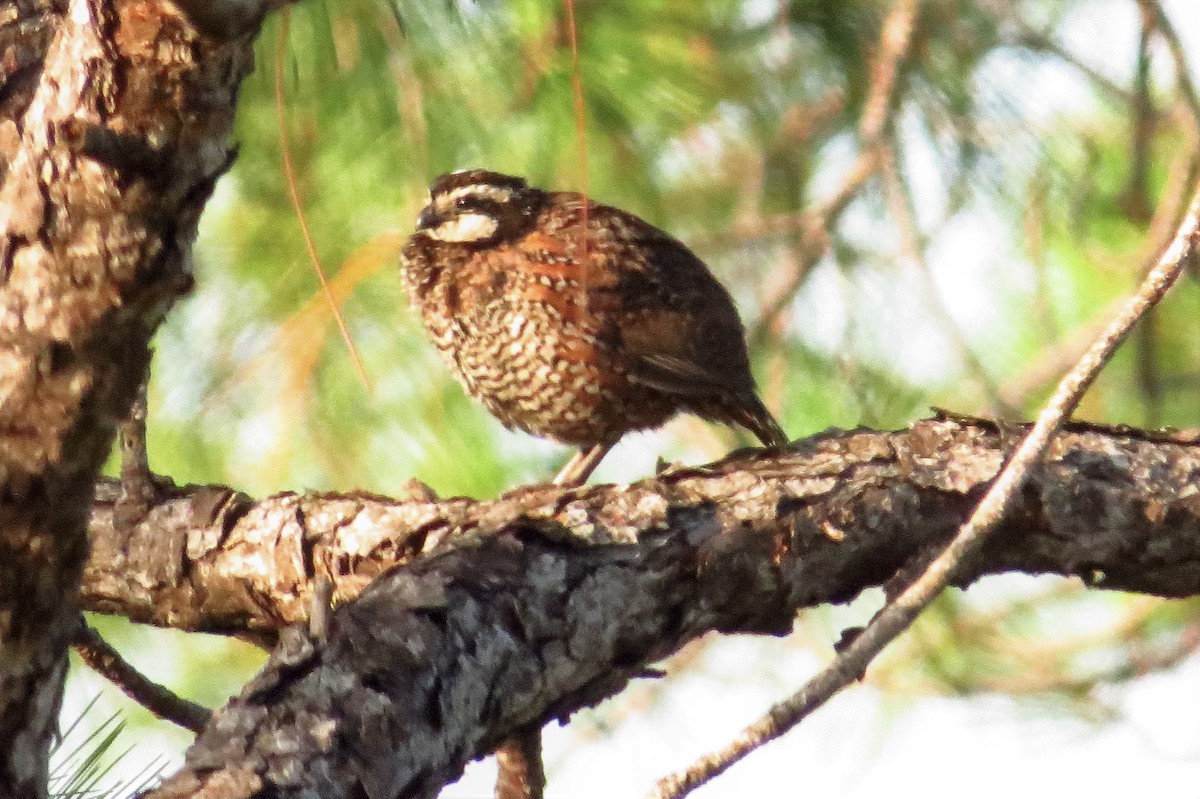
pixel 579 355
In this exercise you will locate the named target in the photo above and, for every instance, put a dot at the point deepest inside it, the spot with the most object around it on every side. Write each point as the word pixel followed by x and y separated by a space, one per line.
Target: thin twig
pixel 1136 195
pixel 811 241
pixel 580 114
pixel 289 172
pixel 159 700
pixel 1183 71
pixel 894 41
pixel 1033 223
pixel 1036 673
pixel 812 238
pixel 895 617
pixel 1036 665
pixel 903 210
pixel 1181 175
pixel 1027 36
pixel 1184 81
pixel 1137 205
pixel 1037 374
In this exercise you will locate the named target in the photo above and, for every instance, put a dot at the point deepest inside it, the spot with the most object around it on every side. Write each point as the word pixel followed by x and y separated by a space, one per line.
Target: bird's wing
pixel 660 346
pixel 678 329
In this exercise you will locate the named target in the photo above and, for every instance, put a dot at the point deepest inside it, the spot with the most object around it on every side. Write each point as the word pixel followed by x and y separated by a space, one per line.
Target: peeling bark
pixel 114 117
pixel 851 507
pixel 529 607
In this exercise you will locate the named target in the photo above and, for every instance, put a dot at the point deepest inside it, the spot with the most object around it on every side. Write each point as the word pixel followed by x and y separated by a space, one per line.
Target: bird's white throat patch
pixel 464 228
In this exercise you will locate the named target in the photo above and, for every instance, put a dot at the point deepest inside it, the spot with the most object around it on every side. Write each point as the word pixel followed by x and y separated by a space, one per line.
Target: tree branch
pixel 107 661
pixel 531 606
pixel 207 558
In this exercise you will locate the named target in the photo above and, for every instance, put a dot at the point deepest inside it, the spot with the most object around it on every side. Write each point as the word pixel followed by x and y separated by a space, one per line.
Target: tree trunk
pixel 114 119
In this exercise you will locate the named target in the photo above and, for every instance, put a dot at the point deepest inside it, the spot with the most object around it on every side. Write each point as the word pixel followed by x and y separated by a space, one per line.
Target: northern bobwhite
pixel 579 350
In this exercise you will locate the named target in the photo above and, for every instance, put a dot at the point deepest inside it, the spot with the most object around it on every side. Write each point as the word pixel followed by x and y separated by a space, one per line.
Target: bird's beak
pixel 428 218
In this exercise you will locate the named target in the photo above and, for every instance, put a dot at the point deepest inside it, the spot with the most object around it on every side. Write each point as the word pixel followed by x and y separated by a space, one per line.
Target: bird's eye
pixel 463 202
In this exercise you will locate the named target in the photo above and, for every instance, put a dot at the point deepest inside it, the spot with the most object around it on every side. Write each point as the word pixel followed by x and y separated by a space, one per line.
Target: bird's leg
pixel 582 464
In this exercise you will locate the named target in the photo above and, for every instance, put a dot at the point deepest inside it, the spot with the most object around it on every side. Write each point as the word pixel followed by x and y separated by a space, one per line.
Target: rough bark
pixel 114 117
pixel 526 608
pixel 210 559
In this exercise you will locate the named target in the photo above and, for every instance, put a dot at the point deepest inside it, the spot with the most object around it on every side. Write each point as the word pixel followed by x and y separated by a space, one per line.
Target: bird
pixel 573 320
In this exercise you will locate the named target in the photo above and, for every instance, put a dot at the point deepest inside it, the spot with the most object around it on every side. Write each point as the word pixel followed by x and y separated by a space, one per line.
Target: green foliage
pixel 85 757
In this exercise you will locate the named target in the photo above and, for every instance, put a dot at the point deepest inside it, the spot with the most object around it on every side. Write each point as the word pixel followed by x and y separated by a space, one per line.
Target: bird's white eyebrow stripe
pixel 483 190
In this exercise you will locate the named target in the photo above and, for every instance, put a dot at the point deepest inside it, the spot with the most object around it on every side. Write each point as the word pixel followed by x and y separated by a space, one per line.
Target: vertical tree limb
pixel 117 114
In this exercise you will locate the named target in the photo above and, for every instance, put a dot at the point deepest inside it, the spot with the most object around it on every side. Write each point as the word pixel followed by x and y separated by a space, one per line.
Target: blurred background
pixel 914 204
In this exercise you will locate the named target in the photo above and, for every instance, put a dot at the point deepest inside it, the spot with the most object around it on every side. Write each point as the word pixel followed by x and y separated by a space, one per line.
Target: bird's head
pixel 476 207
